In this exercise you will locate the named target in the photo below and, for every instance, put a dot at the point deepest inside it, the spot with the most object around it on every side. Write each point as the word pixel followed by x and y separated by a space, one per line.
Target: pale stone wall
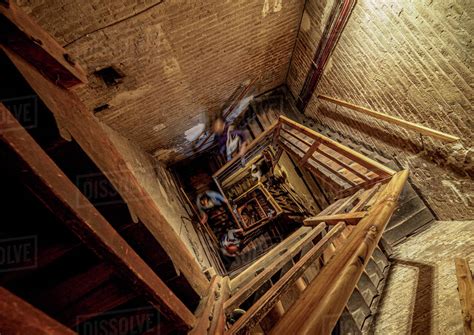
pixel 420 296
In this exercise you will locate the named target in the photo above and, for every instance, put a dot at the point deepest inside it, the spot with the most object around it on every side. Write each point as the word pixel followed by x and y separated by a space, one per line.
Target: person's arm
pixel 216 197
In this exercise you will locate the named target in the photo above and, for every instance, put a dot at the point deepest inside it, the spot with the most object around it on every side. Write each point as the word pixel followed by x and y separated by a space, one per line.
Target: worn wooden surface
pixel 242 293
pixel 24 36
pixel 18 317
pixel 61 196
pixel 349 218
pixel 268 300
pixel 94 140
pixel 329 292
pixel 466 293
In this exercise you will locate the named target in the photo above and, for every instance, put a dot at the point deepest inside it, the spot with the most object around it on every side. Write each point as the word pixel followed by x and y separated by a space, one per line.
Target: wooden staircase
pixel 412 214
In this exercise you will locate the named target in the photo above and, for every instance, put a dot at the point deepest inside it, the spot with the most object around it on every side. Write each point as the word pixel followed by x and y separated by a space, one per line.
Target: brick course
pixel 180 58
pixel 407 59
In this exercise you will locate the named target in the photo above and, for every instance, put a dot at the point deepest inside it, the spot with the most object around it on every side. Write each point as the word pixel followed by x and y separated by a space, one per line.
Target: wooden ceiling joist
pixel 19 317
pixel 20 33
pixel 95 141
pixel 61 196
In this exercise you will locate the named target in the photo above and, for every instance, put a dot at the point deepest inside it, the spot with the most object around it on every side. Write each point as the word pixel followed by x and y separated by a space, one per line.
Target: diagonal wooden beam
pixel 259 309
pixel 20 33
pixel 95 140
pixel 19 317
pixel 62 197
pixel 349 218
pixel 393 120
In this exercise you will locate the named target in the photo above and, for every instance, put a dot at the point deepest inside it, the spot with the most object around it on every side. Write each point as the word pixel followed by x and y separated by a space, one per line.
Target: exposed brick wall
pixel 421 295
pixel 180 58
pixel 410 59
pixel 160 184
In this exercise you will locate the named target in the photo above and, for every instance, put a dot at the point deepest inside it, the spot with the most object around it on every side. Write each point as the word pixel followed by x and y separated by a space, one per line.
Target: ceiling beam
pixel 95 141
pixel 19 317
pixel 62 197
pixel 20 33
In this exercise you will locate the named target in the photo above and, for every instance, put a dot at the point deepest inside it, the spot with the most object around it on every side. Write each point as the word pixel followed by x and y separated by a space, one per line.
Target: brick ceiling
pixel 181 59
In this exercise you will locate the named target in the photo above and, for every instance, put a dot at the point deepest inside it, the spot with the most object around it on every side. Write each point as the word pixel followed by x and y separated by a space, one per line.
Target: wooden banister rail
pixel 466 293
pixel 352 154
pixel 394 120
pixel 349 218
pixel 266 302
pixel 317 311
pixel 253 285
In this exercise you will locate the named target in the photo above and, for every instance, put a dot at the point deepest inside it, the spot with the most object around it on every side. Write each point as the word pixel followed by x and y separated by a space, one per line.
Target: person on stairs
pixel 208 200
pixel 231 142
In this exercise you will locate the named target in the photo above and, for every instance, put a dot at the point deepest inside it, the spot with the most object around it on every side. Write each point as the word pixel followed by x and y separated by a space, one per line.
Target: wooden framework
pixel 364 195
pixel 26 38
pixel 466 293
pixel 19 317
pixel 323 263
pixel 61 196
pixel 349 218
pixel 87 131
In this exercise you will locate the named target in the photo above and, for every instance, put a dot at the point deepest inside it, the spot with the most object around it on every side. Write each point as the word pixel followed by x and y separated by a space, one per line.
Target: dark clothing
pixel 230 141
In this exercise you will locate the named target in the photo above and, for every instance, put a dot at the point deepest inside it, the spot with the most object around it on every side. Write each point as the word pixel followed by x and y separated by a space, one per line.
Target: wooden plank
pixel 95 141
pixel 330 291
pixel 296 137
pixel 333 171
pixel 268 300
pixel 244 292
pixel 346 151
pixel 347 166
pixel 466 293
pixel 206 310
pixel 349 218
pixel 262 263
pixel 19 317
pixel 25 37
pixel 62 197
pixel 394 120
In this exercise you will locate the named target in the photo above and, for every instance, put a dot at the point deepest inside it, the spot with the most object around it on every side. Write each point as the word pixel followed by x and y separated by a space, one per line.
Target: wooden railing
pixel 323 261
pixel 338 168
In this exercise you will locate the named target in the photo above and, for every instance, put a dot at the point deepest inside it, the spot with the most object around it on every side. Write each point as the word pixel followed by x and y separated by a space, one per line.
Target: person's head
pixel 218 126
pixel 232 249
pixel 205 200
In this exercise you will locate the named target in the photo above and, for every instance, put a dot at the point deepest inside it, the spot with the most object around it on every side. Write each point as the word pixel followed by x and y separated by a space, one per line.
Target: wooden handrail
pixel 259 309
pixel 394 120
pixel 466 293
pixel 349 218
pixel 246 291
pixel 317 311
pixel 352 154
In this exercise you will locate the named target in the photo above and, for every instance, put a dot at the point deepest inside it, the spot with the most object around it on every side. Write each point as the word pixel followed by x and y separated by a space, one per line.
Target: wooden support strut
pixel 19 317
pixel 60 195
pixel 350 218
pixel 329 292
pixel 87 131
pixel 391 119
pixel 466 293
pixel 272 296
pixel 346 151
pixel 20 33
